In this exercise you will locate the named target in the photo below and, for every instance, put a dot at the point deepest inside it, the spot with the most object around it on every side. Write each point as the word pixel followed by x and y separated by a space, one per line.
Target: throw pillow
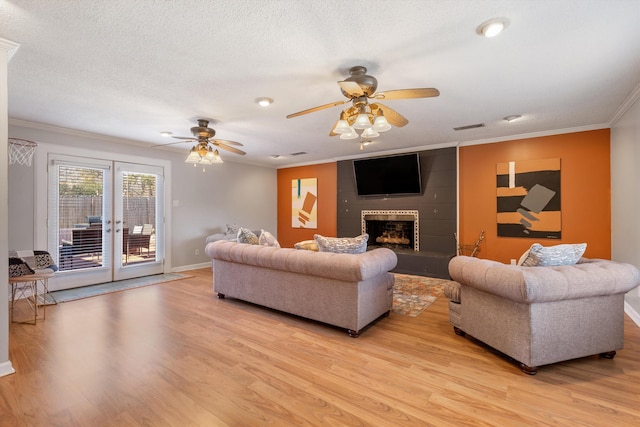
pixel 342 245
pixel 309 245
pixel 267 239
pixel 247 236
pixel 565 254
pixel 232 229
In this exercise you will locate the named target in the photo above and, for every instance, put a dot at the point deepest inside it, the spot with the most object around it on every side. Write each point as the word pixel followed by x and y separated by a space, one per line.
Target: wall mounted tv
pixel 385 176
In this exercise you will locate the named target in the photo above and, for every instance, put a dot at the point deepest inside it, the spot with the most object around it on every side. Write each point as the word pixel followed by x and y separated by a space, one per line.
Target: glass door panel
pixel 79 218
pixel 139 221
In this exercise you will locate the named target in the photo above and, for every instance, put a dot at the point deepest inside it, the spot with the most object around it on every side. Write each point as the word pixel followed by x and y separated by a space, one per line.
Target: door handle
pixel 108 230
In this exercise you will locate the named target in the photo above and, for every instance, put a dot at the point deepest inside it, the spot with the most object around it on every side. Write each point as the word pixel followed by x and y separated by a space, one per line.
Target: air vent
pixel 299 153
pixel 477 125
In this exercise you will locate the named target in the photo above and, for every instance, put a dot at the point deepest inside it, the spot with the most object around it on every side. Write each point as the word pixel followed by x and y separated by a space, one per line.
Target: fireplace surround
pixel 394 229
pixel 437 209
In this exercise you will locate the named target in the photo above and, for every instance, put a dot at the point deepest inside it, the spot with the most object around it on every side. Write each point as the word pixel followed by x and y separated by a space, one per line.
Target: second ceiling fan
pixel 374 117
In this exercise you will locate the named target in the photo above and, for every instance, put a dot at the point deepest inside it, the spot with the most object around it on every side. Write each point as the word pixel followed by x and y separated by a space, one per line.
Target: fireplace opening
pixel 397 230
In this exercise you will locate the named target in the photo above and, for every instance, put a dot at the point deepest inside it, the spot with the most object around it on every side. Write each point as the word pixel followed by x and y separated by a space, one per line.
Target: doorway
pixel 106 219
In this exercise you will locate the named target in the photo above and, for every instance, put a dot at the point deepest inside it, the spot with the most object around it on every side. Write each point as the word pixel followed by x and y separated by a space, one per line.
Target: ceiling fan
pixel 359 88
pixel 204 136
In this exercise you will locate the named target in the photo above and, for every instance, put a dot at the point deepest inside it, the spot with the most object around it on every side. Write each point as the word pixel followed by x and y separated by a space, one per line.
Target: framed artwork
pixel 528 195
pixel 304 197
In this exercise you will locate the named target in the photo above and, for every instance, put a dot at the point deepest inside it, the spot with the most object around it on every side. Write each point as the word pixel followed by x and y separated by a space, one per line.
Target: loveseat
pixel 541 315
pixel 345 290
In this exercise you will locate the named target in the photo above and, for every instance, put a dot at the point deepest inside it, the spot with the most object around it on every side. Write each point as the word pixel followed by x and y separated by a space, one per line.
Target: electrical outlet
pixel 197 251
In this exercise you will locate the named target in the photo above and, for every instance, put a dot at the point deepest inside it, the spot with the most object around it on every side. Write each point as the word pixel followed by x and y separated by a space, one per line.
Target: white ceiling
pixel 133 68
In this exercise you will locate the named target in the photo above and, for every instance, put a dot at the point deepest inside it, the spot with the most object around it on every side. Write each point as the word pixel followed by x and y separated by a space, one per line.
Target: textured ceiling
pixel 130 69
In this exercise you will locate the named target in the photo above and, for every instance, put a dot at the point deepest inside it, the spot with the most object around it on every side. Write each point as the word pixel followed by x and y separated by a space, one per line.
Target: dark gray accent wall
pixel 437 205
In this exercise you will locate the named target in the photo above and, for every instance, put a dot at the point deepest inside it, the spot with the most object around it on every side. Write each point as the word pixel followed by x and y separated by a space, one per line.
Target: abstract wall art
pixel 528 194
pixel 304 197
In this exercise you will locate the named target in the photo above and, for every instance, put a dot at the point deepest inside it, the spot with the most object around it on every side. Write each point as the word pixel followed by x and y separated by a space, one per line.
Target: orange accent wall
pixel 327 175
pixel 585 192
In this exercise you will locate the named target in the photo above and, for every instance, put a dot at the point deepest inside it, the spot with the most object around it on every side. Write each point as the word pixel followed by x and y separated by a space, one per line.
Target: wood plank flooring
pixel 174 355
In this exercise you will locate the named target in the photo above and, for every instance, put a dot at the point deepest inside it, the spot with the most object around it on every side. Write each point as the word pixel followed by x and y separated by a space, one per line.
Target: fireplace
pixel 394 229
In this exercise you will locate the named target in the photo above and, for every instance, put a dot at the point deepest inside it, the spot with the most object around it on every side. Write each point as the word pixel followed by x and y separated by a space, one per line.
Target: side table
pixel 32 287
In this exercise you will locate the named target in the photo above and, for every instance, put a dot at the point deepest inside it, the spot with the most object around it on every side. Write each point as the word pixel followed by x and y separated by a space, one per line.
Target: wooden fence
pixel 75 210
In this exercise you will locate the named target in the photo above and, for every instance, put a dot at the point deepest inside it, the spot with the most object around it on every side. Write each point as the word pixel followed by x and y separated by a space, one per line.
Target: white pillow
pixel 267 239
pixel 565 254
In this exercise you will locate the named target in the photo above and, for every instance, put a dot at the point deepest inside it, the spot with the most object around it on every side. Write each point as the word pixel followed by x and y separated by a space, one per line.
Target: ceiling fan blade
pixel 186 138
pixel 426 92
pixel 311 110
pixel 227 142
pixel 171 143
pixel 392 116
pixel 353 89
pixel 220 143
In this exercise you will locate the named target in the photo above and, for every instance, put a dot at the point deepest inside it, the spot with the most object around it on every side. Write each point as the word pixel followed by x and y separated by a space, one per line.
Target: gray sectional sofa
pixel 346 290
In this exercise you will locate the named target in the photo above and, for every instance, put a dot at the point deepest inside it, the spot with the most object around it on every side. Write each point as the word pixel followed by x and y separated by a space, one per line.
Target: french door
pixel 106 219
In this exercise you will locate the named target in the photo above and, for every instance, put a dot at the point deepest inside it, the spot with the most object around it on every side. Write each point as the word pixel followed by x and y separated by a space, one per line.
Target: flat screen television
pixel 385 176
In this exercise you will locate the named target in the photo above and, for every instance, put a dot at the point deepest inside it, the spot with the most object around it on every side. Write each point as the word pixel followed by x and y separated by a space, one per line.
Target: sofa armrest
pixel 543 284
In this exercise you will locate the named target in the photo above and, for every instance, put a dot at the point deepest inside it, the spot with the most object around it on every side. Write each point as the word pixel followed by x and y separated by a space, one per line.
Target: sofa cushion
pixel 267 239
pixel 342 245
pixel 565 254
pixel 247 236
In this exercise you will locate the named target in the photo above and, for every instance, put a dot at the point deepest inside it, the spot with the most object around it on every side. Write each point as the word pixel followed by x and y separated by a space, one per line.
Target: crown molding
pixel 631 99
pixel 74 132
pixel 535 134
pixel 10 47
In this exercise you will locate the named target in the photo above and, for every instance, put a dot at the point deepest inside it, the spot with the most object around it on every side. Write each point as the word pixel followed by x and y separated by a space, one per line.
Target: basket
pixel 21 151
pixel 468 250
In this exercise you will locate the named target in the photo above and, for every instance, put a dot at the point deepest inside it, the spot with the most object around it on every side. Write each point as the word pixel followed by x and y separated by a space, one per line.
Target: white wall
pixel 625 197
pixel 7 48
pixel 205 202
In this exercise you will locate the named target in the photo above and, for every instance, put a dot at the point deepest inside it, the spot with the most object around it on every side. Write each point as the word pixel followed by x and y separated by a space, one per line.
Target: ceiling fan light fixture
pixel 381 124
pixel 492 27
pixel 210 156
pixel 193 156
pixel 216 157
pixel 342 127
pixel 370 133
pixel 362 121
pixel 352 134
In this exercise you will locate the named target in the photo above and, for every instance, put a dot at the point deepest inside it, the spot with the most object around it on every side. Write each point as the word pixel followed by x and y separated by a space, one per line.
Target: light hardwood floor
pixel 174 355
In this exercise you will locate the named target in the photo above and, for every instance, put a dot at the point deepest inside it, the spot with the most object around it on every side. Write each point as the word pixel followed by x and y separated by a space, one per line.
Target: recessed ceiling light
pixel 166 133
pixel 492 27
pixel 264 102
pixel 275 156
pixel 512 117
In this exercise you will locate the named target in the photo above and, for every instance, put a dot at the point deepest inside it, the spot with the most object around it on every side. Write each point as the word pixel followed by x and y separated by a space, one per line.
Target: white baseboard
pixel 6 368
pixel 632 313
pixel 190 267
